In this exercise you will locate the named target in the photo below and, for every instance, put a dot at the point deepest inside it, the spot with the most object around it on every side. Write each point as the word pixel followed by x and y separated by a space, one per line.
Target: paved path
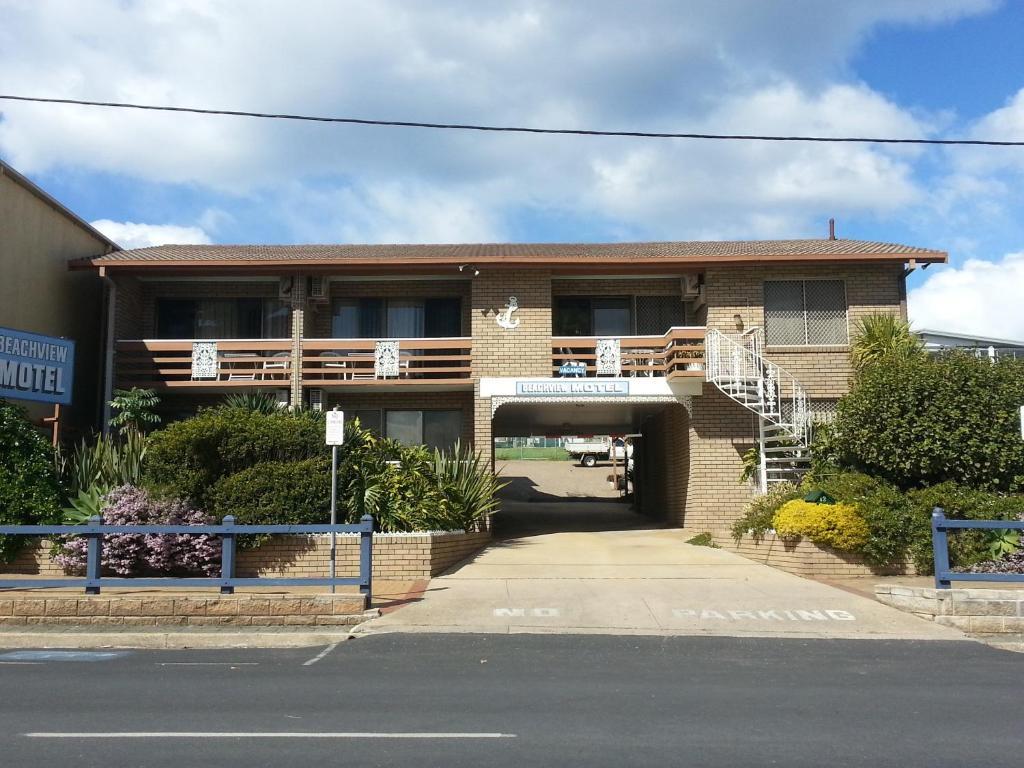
pixel 640 581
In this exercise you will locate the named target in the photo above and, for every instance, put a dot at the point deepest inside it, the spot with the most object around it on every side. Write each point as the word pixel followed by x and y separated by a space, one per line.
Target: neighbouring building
pixel 705 349
pixel 983 346
pixel 38 293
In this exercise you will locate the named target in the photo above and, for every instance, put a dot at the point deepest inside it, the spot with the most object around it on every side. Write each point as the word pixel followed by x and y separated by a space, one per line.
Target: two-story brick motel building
pixel 702 348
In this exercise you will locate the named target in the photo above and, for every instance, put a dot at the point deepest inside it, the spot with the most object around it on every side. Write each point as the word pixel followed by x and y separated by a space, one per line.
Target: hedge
pixel 29 491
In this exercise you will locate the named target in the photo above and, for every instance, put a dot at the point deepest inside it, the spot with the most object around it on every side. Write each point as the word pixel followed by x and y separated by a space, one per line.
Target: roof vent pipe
pixel 831 229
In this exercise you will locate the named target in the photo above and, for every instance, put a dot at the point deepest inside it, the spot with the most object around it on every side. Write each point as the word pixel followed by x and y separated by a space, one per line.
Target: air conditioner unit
pixel 283 398
pixel 316 288
pixel 316 400
pixel 284 287
pixel 690 286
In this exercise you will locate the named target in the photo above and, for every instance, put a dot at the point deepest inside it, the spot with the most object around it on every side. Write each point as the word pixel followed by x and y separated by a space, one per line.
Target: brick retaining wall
pixel 804 558
pixel 396 556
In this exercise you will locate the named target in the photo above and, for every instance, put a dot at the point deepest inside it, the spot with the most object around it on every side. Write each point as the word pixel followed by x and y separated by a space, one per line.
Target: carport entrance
pixel 553 495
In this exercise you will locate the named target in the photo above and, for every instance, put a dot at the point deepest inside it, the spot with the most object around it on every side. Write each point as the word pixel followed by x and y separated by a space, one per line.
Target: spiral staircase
pixel 738 367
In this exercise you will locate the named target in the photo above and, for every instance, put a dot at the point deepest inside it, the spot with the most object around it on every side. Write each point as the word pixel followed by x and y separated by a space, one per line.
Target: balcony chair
pixel 278 364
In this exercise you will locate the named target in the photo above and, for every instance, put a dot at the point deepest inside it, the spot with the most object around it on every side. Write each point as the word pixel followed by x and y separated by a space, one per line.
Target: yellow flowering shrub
pixel 839 526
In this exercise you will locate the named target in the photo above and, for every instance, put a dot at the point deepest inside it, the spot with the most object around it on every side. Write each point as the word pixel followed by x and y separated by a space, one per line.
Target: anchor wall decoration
pixel 504 318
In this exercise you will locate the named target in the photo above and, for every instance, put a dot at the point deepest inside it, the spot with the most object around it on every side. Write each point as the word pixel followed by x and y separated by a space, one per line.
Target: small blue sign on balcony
pixel 36 367
pixel 572 370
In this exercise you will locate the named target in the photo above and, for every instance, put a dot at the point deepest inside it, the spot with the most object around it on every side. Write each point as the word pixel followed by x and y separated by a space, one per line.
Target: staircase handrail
pixel 729 361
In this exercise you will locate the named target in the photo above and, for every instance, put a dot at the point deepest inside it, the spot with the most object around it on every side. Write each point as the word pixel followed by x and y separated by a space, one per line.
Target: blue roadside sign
pixel 572 369
pixel 36 367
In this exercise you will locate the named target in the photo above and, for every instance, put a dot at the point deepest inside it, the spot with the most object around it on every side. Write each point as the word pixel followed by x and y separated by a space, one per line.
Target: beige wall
pixel 38 293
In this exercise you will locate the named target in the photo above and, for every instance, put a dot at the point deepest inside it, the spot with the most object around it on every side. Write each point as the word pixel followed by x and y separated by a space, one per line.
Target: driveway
pixel 640 581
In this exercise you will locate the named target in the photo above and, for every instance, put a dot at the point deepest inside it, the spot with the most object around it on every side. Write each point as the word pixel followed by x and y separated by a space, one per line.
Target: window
pixel 222 319
pixel 598 316
pixel 656 314
pixel 434 429
pixel 373 318
pixel 801 312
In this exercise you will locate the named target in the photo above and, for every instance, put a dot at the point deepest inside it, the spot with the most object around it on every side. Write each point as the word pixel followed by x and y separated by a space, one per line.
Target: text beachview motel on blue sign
pixel 36 367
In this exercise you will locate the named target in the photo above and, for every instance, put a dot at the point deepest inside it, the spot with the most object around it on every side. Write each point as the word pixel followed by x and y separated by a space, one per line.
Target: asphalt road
pixel 521 700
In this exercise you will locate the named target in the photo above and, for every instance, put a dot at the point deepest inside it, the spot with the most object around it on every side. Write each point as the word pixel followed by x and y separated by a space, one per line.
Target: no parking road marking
pixel 773 614
pixel 519 613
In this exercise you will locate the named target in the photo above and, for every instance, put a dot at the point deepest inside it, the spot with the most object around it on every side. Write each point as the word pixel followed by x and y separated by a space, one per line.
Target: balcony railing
pixel 355 362
pixel 157 364
pixel 678 352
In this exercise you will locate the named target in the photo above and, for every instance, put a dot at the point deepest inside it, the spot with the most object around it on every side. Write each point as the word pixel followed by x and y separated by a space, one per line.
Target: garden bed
pixel 805 558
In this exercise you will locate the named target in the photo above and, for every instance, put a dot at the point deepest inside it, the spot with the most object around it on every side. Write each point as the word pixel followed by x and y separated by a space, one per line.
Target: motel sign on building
pixel 35 367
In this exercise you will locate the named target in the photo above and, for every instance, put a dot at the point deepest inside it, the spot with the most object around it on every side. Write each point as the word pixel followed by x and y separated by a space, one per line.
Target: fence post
pixel 93 558
pixel 227 556
pixel 366 558
pixel 940 548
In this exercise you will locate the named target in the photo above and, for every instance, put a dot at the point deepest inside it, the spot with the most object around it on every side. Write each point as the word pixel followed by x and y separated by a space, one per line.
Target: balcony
pixel 392 362
pixel 679 352
pixel 194 363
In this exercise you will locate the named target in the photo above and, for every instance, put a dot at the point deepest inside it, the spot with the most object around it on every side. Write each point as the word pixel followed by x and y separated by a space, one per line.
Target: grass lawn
pixel 528 452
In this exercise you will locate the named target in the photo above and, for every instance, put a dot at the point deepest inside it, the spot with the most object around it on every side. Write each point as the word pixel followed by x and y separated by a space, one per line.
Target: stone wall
pixel 996 614
pixel 194 610
pixel 805 558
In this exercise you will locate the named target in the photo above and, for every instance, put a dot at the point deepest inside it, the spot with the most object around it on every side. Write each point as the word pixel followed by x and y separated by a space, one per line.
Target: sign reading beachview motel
pixel 573 387
pixel 36 367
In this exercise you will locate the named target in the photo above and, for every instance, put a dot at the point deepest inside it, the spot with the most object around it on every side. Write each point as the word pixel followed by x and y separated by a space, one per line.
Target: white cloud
pixel 981 298
pixel 743 66
pixel 129 234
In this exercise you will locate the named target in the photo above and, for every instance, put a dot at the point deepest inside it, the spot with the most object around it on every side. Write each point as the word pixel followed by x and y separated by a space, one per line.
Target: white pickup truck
pixel 588 451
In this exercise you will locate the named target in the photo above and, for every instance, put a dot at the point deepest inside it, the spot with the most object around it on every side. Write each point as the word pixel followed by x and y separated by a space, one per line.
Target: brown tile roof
pixel 517 253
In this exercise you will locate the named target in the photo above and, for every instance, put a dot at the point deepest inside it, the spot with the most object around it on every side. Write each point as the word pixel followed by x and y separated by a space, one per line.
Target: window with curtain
pixel 433 429
pixel 222 319
pixel 805 312
pixel 374 318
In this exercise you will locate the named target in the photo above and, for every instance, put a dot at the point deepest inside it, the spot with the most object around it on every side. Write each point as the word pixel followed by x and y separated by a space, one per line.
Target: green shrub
pixel 966 547
pixel 187 458
pixel 275 493
pixel 923 421
pixel 892 523
pixel 838 526
pixel 468 485
pixel 29 491
pixel 759 515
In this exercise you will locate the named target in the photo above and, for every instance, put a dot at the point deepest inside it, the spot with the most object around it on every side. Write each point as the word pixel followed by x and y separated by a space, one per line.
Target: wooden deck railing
pixel 354 362
pixel 158 364
pixel 678 352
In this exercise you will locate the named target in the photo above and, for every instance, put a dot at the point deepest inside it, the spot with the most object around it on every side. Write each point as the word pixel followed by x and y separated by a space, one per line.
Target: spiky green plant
pixel 883 336
pixel 468 483
pixel 258 402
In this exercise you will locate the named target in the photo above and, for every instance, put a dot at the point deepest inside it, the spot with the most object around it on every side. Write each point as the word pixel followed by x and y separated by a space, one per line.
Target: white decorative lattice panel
pixel 204 359
pixel 609 357
pixel 385 359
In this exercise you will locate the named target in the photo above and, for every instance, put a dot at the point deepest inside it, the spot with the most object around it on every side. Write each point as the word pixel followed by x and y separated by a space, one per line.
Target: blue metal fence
pixel 940 546
pixel 94 530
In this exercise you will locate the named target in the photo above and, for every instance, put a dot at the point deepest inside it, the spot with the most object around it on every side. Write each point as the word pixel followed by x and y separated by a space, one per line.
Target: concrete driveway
pixel 639 581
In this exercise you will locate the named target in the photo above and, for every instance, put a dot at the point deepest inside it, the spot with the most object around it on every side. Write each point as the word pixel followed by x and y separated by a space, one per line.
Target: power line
pixel 517 129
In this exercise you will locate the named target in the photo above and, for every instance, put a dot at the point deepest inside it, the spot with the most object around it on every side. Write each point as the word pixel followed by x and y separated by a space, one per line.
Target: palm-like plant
pixel 258 402
pixel 134 408
pixel 884 337
pixel 468 484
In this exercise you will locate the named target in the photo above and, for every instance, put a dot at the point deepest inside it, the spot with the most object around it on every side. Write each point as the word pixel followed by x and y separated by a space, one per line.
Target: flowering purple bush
pixel 129 554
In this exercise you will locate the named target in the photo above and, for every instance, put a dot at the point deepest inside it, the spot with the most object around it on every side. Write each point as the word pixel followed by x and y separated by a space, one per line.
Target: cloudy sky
pixel 907 68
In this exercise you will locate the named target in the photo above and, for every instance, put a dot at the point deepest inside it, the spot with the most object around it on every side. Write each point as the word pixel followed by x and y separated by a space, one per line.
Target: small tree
pixel 134 409
pixel 884 337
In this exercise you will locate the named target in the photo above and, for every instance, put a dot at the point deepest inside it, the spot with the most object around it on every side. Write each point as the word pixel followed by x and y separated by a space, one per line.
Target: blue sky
pixel 934 68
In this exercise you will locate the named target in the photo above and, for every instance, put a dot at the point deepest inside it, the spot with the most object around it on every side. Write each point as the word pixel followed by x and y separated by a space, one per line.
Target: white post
pixel 335 437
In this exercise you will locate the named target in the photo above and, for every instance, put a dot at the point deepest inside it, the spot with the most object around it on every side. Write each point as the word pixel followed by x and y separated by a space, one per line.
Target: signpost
pixel 37 368
pixel 335 437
